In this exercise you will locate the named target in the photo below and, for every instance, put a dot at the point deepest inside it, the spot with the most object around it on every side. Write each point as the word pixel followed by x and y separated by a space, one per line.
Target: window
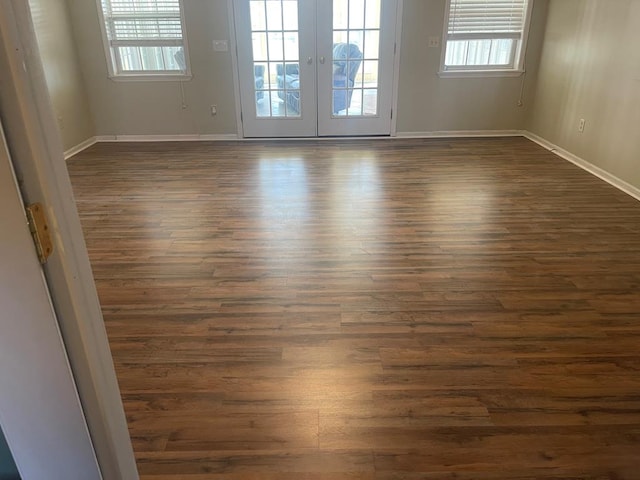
pixel 145 37
pixel 485 35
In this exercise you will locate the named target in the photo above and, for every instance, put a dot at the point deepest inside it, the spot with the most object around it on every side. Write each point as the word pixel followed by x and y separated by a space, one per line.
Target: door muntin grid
pixel 356 58
pixel 276 58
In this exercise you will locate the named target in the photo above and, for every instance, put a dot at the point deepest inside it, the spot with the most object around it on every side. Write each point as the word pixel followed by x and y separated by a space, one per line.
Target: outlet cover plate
pixel 220 46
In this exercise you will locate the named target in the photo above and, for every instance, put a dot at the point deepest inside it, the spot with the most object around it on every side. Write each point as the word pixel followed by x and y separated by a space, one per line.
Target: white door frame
pixel 235 63
pixel 40 412
pixel 37 155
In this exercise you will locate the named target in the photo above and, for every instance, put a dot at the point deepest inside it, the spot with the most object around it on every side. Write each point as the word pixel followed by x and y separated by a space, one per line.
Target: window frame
pixel 112 57
pixel 514 69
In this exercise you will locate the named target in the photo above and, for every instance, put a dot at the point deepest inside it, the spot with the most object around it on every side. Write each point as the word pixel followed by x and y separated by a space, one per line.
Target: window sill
pixel 479 73
pixel 150 77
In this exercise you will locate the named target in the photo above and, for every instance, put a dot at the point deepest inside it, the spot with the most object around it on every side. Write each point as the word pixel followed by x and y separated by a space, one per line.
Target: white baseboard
pixel 587 166
pixel 80 147
pixel 233 136
pixel 165 138
pixel 461 134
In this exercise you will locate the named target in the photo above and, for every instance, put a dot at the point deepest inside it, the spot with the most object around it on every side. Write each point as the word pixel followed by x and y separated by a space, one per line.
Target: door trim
pixel 396 69
pixel 234 66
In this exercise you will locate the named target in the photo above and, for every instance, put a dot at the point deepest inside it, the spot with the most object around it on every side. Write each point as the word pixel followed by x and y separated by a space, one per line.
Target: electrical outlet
pixel 581 125
pixel 214 110
pixel 434 42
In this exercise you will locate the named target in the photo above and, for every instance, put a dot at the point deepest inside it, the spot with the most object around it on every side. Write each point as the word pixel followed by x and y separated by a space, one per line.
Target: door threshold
pixel 323 138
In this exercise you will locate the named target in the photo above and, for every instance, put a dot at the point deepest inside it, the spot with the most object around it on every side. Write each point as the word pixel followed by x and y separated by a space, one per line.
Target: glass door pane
pixel 276 55
pixel 355 57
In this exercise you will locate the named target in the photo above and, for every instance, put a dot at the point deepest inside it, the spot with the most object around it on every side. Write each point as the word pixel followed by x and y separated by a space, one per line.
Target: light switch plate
pixel 220 46
pixel 434 42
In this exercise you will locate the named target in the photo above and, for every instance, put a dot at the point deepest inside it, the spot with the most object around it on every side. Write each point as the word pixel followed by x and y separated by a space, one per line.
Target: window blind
pixel 143 22
pixel 469 19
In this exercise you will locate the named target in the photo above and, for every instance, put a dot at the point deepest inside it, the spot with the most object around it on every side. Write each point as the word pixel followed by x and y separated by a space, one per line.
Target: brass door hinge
pixel 40 231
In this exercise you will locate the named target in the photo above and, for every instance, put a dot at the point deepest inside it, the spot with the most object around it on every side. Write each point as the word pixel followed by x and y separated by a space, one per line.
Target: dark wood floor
pixel 404 309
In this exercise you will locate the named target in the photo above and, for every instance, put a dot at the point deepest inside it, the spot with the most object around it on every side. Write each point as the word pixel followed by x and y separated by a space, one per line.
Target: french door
pixel 315 67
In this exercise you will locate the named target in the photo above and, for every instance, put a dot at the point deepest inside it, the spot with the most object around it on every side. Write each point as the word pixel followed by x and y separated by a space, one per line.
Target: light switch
pixel 434 42
pixel 220 46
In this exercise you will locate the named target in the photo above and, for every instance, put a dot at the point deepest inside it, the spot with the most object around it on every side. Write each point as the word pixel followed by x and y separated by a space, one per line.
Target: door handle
pixel 309 60
pixel 322 60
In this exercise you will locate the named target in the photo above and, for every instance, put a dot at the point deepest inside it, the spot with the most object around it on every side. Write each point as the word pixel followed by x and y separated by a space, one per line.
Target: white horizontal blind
pixel 143 22
pixel 470 19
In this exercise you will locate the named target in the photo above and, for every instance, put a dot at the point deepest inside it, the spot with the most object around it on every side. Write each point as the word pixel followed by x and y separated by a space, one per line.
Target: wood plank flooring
pixel 398 309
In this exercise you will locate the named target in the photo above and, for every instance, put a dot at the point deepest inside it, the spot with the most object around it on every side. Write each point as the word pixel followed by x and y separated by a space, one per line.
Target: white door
pixel 316 67
pixel 276 67
pixel 356 46
pixel 40 412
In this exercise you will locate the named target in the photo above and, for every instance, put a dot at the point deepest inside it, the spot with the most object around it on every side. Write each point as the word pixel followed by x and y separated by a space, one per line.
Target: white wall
pixel 426 102
pixel 429 103
pixel 590 68
pixel 62 70
pixel 155 107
